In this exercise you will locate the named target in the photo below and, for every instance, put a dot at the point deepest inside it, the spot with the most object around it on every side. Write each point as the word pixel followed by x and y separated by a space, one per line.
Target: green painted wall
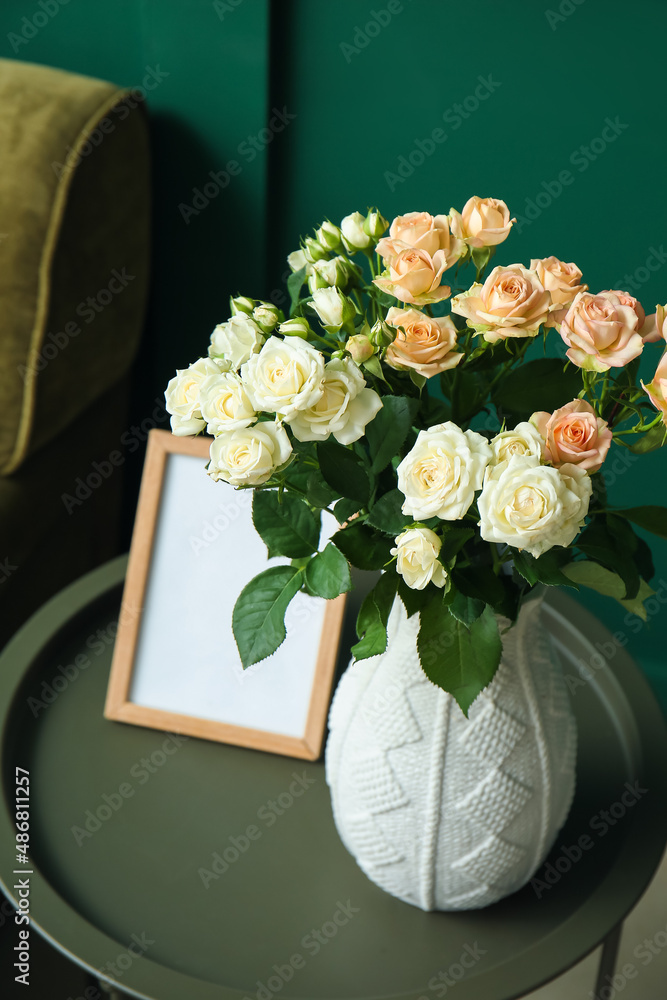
pixel 408 104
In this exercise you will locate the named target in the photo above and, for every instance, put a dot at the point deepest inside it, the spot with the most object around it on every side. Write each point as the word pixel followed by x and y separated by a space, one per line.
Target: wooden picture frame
pixel 139 611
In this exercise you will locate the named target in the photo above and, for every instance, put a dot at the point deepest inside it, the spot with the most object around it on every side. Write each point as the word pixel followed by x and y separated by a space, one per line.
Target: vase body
pixel 449 813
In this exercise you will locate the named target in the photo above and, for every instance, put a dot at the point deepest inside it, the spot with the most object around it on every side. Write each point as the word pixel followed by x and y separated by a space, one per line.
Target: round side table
pixel 176 868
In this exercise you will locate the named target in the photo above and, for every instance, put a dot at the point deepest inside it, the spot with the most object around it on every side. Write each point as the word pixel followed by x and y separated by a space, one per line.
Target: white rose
pixel 417 558
pixel 525 439
pixel 343 409
pixel 284 377
pixel 236 340
pixel 333 308
pixel 440 474
pixel 182 396
pixel 250 455
pixel 224 403
pixel 296 260
pixel 533 506
pixel 354 237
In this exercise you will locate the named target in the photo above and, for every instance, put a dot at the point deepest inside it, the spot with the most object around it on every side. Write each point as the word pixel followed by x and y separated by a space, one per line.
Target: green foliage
pixel 461 660
pixel 387 432
pixel 543 384
pixel 363 547
pixel 545 569
pixel 343 471
pixel 373 617
pixel 328 573
pixel 591 574
pixel 258 619
pixel 287 525
pixel 386 514
pixel 651 518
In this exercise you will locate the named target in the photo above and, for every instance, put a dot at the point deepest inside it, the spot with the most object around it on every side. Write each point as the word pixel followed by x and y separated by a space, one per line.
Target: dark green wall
pixel 364 99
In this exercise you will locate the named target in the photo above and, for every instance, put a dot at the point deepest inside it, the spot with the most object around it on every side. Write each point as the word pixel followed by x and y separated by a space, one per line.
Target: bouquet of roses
pixel 464 472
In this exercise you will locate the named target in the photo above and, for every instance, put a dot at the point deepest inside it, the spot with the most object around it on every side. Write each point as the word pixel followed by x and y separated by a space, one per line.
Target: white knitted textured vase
pixel 449 813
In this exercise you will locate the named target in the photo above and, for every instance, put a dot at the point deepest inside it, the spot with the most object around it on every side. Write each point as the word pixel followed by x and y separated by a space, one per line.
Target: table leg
pixel 608 959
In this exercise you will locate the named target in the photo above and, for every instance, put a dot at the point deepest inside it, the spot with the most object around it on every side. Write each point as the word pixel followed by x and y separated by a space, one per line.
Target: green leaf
pixel 459 660
pixel 545 569
pixel 466 609
pixel 386 514
pixel 258 619
pixel 413 600
pixel 537 385
pixel 363 547
pixel 655 438
pixel 288 527
pixel 387 432
pixel 417 379
pixel 652 518
pixel 373 617
pixel 599 544
pixel 343 471
pixel 373 366
pixel 295 283
pixel 320 494
pixel 591 574
pixel 453 542
pixel 328 573
pixel 482 583
pixel 345 509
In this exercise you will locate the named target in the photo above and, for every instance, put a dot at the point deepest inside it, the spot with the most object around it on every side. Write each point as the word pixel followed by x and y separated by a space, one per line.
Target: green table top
pixel 136 896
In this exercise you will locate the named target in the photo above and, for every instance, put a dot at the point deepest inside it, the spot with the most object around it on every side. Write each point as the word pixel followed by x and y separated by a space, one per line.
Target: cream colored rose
pixel 417 561
pixel 224 403
pixel 656 390
pixel 343 409
pixel 524 439
pixel 574 435
pixel 352 229
pixel 421 231
pixel 236 340
pixel 441 473
pixel 249 456
pixel 414 276
pixel 655 327
pixel 512 302
pixel 484 222
pixel 182 396
pixel 333 308
pixel 296 260
pixel 532 506
pixel 601 332
pixel 426 344
pixel 562 281
pixel 284 377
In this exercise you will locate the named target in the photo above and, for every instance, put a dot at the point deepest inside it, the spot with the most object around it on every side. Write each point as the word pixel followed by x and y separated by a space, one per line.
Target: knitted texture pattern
pixel 449 813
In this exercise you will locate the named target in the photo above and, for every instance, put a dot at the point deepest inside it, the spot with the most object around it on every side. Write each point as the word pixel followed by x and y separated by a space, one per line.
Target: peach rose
pixel 426 344
pixel 512 302
pixel 562 281
pixel 657 389
pixel 484 222
pixel 655 327
pixel 601 332
pixel 414 276
pixel 628 300
pixel 422 232
pixel 574 435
